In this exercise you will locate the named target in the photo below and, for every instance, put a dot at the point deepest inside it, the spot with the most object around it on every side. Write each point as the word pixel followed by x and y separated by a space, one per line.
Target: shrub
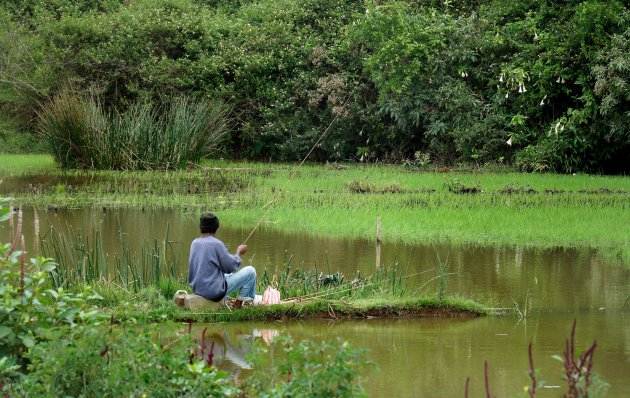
pixel 307 369
pixel 30 305
pixel 132 362
pixel 82 134
pixel 458 79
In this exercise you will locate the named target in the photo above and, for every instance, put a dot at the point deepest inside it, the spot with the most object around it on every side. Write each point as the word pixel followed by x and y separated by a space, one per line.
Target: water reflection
pixel 42 184
pixel 433 357
pixel 229 348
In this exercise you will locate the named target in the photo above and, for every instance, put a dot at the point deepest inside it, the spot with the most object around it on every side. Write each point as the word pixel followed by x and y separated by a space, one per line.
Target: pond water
pixel 433 357
pixel 425 357
pixel 202 182
pixel 34 184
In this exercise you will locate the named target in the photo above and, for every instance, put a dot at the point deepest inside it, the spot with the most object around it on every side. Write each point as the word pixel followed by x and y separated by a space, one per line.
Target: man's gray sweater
pixel 208 263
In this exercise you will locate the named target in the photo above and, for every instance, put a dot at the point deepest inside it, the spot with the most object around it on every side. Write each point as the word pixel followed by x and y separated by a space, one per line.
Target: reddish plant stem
pixel 574 372
pixel 485 369
pixel 466 388
pixel 22 271
pixel 36 225
pixel 210 359
pixel 11 226
pixel 532 373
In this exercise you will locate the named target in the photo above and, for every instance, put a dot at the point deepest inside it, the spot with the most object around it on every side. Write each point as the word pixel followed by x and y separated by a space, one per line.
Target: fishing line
pixel 273 201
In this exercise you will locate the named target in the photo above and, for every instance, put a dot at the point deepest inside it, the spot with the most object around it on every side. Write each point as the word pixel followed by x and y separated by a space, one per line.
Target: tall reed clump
pixel 82 260
pixel 82 133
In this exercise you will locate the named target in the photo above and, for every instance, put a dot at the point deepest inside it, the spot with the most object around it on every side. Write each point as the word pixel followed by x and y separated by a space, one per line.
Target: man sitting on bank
pixel 211 268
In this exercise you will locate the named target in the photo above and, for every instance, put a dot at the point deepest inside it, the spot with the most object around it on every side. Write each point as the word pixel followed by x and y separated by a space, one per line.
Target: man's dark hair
pixel 208 223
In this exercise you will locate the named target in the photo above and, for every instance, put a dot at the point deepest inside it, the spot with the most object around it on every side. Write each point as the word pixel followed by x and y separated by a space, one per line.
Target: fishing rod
pixel 270 204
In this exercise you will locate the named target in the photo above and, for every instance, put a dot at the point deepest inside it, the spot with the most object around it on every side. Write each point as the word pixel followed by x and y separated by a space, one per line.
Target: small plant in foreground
pixel 581 381
pixel 306 369
pixel 126 361
pixel 30 304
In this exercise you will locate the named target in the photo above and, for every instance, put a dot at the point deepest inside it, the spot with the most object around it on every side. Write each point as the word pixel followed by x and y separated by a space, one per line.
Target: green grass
pixel 581 211
pixel 335 309
pixel 19 164
pixel 149 305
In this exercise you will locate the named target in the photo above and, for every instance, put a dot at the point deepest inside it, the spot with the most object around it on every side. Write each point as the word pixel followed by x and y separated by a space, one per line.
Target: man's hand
pixel 242 249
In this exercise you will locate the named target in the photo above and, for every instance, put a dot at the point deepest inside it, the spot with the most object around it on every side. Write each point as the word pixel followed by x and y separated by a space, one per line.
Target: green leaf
pixel 48 266
pixel 5 331
pixel 558 358
pixel 28 341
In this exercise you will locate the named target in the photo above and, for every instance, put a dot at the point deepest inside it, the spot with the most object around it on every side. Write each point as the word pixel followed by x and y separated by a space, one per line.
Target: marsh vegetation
pixel 483 208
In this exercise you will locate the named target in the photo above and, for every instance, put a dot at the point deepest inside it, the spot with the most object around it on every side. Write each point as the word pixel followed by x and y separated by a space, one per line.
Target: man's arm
pixel 230 262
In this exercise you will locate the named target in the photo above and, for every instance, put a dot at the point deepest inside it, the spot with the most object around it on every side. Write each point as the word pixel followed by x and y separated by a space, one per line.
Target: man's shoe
pixel 243 301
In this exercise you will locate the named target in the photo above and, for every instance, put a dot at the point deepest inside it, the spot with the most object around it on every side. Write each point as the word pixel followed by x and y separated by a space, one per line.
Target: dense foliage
pixel 129 361
pixel 542 84
pixel 30 305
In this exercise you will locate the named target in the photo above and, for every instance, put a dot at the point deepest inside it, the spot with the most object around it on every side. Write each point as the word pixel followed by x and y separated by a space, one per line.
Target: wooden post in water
pixel 378 241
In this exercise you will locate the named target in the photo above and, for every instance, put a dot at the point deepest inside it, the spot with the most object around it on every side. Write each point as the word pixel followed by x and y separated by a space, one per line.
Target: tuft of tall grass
pixel 308 285
pixel 84 261
pixel 83 134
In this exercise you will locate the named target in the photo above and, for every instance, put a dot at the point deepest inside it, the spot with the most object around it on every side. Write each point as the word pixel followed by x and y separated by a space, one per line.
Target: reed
pixel 83 260
pixel 578 373
pixel 313 284
pixel 82 134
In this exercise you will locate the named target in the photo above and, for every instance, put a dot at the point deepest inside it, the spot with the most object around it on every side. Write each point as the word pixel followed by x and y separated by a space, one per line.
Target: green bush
pixel 132 362
pixel 457 80
pixel 82 134
pixel 30 305
pixel 306 369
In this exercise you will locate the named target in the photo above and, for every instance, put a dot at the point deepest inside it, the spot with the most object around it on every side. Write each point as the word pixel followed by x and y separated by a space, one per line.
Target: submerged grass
pixel 532 210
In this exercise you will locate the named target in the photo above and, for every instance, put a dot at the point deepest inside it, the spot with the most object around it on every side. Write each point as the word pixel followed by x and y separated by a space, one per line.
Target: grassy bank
pixel 348 309
pixel 149 305
pixel 477 208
